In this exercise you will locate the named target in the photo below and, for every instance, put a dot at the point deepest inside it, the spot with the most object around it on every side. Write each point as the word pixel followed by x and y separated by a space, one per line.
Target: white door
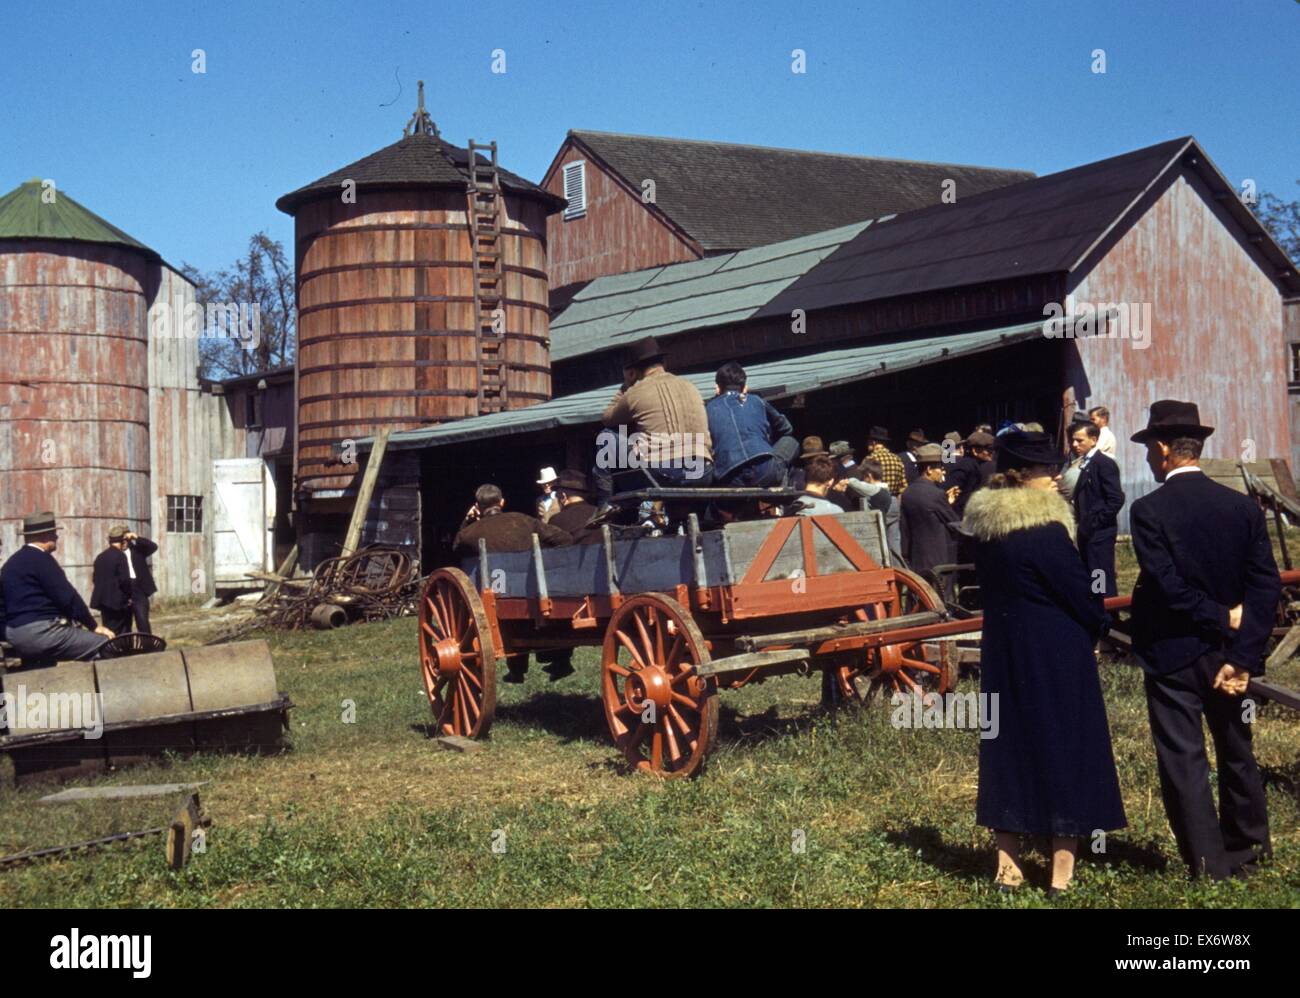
pixel 244 496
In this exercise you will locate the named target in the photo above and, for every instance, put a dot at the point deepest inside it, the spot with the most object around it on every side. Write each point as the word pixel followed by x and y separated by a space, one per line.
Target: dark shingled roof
pixel 1041 226
pixel 729 197
pixel 417 160
pixel 24 214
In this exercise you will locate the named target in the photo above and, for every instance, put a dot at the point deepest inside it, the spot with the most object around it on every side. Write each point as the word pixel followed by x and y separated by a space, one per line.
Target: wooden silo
pixel 422 295
pixel 74 383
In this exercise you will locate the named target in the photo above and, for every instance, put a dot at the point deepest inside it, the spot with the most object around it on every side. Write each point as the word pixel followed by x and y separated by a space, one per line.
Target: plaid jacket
pixel 892 464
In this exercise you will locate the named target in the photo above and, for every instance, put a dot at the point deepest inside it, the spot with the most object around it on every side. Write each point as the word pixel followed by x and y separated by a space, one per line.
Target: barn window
pixel 1295 362
pixel 253 410
pixel 185 514
pixel 575 189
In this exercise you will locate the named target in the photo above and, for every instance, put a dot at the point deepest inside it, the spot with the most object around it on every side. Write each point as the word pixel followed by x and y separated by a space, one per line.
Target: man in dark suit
pixel 912 466
pixel 123 582
pixel 503 531
pixel 1203 609
pixel 573 492
pixel 1097 500
pixel 926 510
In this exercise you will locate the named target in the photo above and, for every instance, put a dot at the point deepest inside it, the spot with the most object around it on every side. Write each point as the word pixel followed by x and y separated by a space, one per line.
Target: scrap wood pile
pixel 376 583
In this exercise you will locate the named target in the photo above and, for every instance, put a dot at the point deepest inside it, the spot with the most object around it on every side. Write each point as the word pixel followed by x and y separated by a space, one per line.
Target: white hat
pixel 548 476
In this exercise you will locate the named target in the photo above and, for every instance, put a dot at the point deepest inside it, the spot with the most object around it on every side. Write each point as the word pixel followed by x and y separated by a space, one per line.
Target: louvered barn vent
pixel 575 189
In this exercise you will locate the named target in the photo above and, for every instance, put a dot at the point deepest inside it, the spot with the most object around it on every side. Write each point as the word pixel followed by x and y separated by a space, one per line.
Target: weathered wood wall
pixel 1215 337
pixel 74 394
pixel 618 233
pixel 386 318
pixel 1291 325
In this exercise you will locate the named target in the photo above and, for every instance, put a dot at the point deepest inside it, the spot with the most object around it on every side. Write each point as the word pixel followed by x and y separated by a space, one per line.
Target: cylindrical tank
pixel 386 330
pixel 74 392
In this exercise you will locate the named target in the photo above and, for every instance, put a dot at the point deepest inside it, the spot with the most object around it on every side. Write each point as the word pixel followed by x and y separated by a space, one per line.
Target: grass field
pixel 372 813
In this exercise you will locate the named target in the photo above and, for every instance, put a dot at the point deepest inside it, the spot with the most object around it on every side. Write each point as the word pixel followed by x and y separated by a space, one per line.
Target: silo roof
pixel 417 160
pixel 25 214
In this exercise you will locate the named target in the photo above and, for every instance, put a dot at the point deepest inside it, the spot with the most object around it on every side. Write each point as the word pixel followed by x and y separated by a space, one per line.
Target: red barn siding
pixel 618 234
pixel 1291 323
pixel 1215 338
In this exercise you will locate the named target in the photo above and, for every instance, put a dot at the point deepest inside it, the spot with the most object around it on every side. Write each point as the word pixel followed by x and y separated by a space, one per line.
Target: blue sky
pixel 101 97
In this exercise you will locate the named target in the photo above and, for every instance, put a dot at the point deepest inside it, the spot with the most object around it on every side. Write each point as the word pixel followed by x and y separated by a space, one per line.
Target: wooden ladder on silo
pixel 489 282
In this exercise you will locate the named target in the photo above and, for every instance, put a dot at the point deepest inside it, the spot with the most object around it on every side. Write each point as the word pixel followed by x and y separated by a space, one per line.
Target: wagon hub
pixel 446 654
pixel 650 684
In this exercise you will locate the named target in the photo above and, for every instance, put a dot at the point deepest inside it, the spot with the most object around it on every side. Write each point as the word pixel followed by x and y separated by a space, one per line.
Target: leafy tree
pixel 1282 219
pixel 258 287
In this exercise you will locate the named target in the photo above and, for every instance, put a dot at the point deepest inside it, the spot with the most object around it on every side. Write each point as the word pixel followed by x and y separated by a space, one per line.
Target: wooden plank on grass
pixel 120 793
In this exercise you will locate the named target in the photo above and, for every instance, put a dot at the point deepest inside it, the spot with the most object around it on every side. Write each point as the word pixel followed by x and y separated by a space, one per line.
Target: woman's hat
pixel 1170 418
pixel 812 447
pixel 1022 448
pixel 38 523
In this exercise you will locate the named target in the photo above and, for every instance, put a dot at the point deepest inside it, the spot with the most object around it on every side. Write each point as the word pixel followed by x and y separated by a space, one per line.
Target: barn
pixel 1115 282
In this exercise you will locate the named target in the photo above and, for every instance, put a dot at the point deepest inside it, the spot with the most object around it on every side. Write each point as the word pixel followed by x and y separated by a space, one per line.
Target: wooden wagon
pixel 679 618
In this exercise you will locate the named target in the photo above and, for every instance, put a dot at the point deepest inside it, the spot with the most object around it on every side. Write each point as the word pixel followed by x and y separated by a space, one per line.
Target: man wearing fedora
pixel 1203 608
pixel 926 510
pixel 665 414
pixel 972 469
pixel 573 493
pixel 42 609
pixel 911 465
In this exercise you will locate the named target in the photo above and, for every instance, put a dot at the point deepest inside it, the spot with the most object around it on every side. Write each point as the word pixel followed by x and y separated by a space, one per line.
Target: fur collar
pixel 992 514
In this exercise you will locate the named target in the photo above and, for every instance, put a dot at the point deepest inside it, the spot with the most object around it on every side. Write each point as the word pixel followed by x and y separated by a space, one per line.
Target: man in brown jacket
pixel 503 531
pixel 656 422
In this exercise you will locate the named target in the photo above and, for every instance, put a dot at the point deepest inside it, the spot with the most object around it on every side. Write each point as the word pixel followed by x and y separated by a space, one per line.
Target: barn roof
pixel 615 310
pixel 25 214
pixel 727 196
pixel 1050 224
pixel 774 380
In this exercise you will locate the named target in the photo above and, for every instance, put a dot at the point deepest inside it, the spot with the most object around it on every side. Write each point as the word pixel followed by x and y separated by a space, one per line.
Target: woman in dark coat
pixel 1050 769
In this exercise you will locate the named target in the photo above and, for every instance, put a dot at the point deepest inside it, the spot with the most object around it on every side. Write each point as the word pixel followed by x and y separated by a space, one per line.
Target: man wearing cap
pixel 912 466
pixel 809 448
pixel 1203 609
pixel 752 442
pixel 971 470
pixel 878 450
pixel 665 415
pixel 42 609
pixel 1097 499
pixel 573 494
pixel 123 568
pixel 927 509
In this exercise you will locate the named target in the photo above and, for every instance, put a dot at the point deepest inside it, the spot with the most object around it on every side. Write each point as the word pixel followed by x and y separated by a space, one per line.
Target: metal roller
pixel 218 697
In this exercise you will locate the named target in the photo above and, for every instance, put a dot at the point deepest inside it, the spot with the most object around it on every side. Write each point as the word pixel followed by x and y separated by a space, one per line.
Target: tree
pixel 249 319
pixel 1282 219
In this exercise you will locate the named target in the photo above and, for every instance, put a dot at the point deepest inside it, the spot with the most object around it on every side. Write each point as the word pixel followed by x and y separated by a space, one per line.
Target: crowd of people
pixel 1040 531
pixel 43 617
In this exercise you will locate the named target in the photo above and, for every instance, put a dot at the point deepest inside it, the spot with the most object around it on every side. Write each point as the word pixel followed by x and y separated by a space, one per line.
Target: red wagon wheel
pixel 898 668
pixel 457 659
pixel 661 713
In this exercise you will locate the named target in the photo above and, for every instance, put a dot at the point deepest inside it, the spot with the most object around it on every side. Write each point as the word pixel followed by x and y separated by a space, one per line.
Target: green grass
pixel 373 813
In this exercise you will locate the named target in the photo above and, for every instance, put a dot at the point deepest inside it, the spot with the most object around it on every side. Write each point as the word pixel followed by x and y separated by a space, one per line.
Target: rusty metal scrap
pixel 376 583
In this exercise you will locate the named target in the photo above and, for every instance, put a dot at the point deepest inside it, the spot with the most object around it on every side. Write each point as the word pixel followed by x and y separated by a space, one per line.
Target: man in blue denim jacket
pixel 752 442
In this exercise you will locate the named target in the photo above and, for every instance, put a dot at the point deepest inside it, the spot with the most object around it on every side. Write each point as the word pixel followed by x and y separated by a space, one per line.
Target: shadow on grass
pixel 570 716
pixel 973 863
pixel 1285 778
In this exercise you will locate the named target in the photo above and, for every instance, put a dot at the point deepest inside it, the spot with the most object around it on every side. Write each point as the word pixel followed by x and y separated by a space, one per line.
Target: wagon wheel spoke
pixel 631 649
pixel 674 753
pixel 647 647
pixel 920 666
pixel 675 653
pixel 618 670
